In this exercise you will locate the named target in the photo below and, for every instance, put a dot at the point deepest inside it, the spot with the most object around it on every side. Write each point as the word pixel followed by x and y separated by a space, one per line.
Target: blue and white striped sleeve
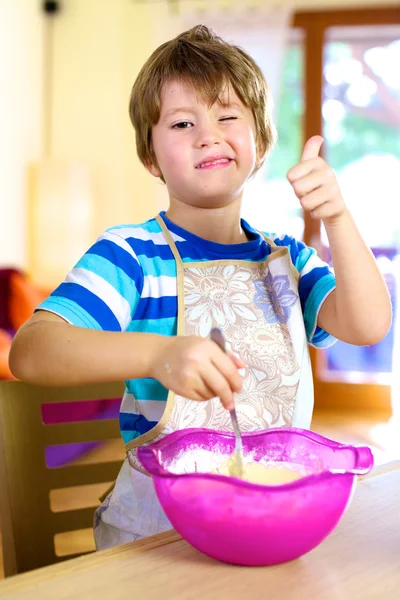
pixel 317 281
pixel 103 289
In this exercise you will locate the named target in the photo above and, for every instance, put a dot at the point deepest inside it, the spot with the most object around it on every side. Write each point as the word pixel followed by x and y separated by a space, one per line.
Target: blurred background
pixel 68 165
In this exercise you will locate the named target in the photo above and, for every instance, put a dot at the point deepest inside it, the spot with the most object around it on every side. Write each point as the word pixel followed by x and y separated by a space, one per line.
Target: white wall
pixel 20 118
pixel 99 48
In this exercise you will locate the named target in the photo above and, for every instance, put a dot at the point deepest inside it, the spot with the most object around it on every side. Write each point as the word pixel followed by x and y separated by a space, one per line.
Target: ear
pixel 259 160
pixel 261 153
pixel 153 169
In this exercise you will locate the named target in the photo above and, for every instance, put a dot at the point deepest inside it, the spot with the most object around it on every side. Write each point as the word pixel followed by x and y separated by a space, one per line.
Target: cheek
pixel 174 164
pixel 247 144
pixel 170 155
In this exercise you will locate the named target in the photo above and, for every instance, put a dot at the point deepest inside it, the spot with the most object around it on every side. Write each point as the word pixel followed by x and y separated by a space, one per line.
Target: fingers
pixel 310 160
pixel 305 168
pixel 213 379
pixel 227 366
pixel 307 184
pixel 198 369
pixel 312 148
pixel 202 391
pixel 202 384
pixel 220 378
pixel 315 184
pixel 236 360
pixel 220 386
pixel 319 209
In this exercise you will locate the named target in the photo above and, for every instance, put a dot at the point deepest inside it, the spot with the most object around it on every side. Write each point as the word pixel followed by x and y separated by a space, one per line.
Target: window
pixel 361 127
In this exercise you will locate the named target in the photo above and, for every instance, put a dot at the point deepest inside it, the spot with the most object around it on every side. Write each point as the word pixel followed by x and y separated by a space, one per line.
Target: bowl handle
pixel 364 460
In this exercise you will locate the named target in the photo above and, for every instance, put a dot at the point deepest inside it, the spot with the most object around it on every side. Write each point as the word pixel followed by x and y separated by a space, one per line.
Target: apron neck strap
pixel 174 249
pixel 269 241
pixel 169 238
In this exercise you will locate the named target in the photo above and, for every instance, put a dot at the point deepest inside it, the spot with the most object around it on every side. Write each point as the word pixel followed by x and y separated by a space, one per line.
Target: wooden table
pixel 359 560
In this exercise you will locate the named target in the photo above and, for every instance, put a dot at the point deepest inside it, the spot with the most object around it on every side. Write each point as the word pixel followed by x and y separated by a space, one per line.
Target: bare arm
pixel 49 351
pixel 359 310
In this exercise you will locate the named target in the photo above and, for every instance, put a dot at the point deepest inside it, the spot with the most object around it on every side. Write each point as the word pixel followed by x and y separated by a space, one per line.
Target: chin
pixel 222 195
pixel 214 202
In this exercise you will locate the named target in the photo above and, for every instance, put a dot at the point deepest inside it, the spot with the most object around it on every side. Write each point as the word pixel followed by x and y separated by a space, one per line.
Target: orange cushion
pixel 24 298
pixel 5 345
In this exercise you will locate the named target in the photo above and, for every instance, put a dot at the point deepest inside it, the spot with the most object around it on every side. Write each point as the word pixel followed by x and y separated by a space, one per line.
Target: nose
pixel 207 135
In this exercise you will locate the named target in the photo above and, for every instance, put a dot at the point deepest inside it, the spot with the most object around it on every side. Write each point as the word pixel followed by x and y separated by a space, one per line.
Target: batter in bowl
pixel 256 472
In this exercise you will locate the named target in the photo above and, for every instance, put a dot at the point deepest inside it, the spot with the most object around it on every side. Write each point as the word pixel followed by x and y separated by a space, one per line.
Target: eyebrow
pixel 188 109
pixel 174 111
pixel 232 105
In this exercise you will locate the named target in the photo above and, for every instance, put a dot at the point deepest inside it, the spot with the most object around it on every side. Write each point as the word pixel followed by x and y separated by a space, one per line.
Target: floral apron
pixel 257 306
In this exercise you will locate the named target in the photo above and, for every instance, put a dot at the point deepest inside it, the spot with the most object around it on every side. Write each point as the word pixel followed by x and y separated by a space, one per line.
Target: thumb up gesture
pixel 315 184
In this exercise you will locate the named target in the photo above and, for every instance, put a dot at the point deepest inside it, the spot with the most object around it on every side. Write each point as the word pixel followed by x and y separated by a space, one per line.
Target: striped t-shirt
pixel 127 282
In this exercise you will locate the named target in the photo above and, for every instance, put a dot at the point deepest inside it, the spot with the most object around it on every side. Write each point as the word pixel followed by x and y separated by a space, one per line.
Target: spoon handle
pixel 236 429
pixel 218 337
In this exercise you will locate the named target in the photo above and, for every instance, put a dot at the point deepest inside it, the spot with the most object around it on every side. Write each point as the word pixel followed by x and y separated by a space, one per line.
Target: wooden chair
pixel 28 525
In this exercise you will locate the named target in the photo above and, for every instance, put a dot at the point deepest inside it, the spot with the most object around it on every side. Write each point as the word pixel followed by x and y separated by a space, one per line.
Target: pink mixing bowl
pixel 245 523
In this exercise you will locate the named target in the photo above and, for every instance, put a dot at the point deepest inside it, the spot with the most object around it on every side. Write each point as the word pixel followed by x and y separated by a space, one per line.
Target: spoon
pixel 235 463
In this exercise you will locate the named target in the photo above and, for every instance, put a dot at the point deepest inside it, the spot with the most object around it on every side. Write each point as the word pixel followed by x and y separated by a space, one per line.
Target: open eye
pixel 182 125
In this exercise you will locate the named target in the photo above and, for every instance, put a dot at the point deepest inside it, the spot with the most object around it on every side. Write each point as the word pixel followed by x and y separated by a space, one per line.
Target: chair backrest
pixel 28 525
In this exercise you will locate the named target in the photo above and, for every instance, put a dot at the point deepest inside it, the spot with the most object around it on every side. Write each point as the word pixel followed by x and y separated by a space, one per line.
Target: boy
pixel 140 304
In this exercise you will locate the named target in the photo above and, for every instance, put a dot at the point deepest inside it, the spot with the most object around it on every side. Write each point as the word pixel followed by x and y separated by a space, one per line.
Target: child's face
pixel 191 134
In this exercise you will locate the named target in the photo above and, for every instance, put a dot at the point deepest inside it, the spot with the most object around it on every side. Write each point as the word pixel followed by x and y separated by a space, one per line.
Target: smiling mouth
pixel 220 162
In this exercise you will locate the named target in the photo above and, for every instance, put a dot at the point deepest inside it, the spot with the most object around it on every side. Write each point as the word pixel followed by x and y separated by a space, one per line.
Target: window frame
pixel 333 395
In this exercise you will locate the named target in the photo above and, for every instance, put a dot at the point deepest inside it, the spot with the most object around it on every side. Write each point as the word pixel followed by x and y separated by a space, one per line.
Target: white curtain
pixel 261 30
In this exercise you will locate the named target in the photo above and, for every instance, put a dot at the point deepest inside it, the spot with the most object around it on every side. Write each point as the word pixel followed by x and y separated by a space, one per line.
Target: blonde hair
pixel 202 59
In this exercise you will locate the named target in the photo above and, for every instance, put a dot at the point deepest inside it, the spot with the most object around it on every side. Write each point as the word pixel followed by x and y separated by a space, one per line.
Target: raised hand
pixel 316 186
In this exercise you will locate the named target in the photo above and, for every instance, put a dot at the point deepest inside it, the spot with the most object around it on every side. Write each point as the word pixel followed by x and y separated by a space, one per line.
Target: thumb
pixel 312 147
